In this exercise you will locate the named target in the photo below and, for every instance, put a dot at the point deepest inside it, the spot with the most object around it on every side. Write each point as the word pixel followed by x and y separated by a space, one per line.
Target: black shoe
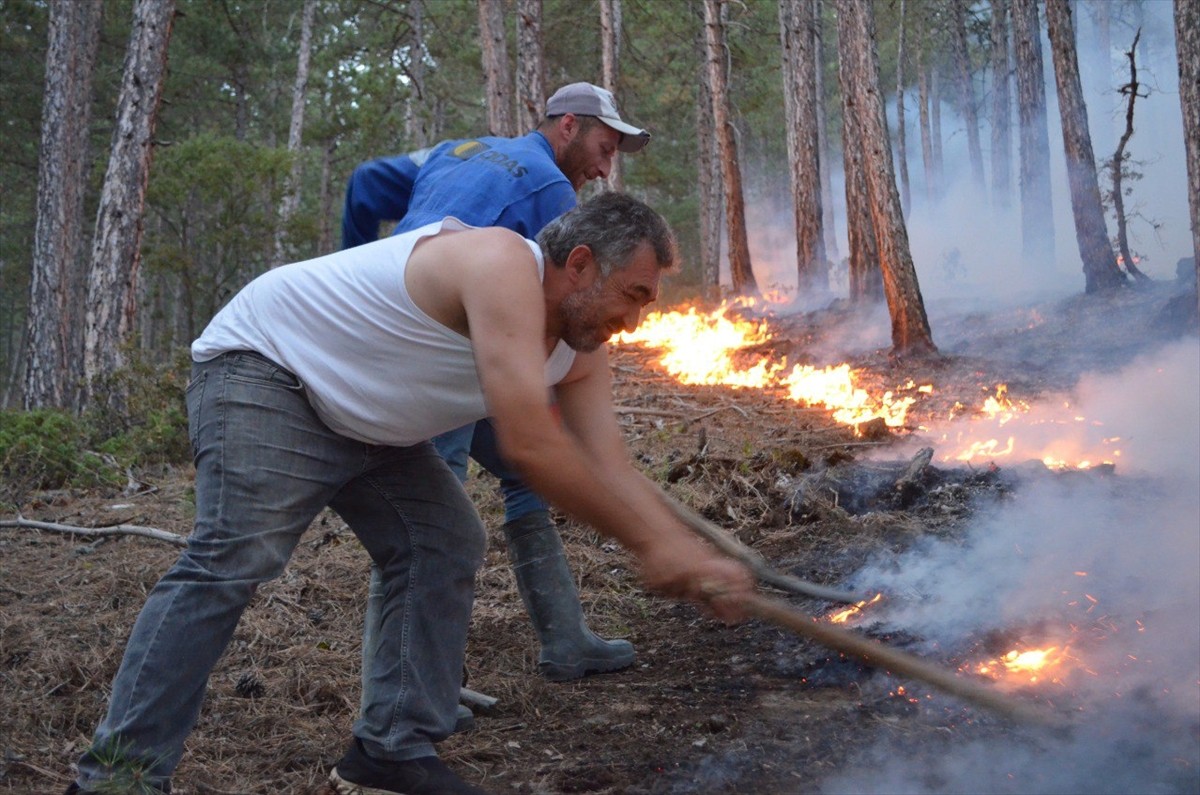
pixel 358 774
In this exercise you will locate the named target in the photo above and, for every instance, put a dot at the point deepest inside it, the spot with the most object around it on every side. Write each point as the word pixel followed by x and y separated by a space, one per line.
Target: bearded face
pixel 584 324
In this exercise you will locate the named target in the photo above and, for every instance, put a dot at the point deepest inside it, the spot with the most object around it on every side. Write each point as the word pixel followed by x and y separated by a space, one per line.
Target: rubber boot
pixel 569 649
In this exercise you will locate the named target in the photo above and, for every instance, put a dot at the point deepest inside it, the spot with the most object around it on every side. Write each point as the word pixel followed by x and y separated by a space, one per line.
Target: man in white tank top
pixel 317 386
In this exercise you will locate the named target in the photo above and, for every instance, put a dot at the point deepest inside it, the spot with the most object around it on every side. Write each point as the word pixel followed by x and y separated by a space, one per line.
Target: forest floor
pixel 705 709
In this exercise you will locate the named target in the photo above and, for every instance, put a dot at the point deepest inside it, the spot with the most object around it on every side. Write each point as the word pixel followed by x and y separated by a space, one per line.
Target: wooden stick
pixel 893 660
pixel 113 530
pixel 729 545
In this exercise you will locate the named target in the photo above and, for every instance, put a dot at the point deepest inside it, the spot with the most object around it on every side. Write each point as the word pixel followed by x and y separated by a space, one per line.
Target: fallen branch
pixel 112 530
pixel 893 660
pixel 729 545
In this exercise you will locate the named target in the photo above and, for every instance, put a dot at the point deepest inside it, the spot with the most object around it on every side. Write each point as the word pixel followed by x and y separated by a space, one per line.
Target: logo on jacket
pixel 469 149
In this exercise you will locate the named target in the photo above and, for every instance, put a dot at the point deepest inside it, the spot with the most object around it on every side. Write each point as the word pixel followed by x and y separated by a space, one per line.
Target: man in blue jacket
pixel 520 184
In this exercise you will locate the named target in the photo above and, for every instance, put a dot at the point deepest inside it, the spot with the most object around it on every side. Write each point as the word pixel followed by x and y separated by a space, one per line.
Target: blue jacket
pixel 508 182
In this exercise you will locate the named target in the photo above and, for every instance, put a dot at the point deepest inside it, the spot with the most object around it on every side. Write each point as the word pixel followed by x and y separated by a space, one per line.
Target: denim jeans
pixel 479 442
pixel 265 467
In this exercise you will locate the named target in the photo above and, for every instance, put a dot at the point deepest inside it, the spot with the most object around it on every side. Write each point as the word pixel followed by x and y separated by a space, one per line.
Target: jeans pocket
pixel 255 368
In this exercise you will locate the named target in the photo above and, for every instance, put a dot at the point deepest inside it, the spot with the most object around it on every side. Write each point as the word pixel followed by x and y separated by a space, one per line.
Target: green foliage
pixel 51 448
pixel 129 775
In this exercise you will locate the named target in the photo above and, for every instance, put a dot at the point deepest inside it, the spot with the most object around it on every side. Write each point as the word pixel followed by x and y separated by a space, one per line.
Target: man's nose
pixel 631 319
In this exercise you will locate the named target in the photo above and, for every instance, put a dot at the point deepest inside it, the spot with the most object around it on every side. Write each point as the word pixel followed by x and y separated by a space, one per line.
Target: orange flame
pixel 842 616
pixel 1031 665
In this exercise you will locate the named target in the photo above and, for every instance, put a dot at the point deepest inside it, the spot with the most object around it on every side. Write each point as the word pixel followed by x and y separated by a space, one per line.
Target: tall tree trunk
pixel 740 271
pixel 327 211
pixel 495 65
pixel 800 107
pixel 825 154
pixel 966 88
pixel 935 124
pixel 54 329
pixel 416 115
pixel 291 193
pixel 901 148
pixel 116 254
pixel 866 280
pixel 708 168
pixel 531 64
pixel 858 59
pixel 1037 216
pixel 1187 48
pixel 1099 264
pixel 610 53
pixel 1001 108
pixel 931 182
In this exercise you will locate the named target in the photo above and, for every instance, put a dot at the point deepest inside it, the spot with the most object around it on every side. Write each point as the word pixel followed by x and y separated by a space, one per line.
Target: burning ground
pixel 1073 588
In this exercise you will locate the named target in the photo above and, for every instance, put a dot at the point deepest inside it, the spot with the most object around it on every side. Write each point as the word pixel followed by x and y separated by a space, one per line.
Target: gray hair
pixel 612 225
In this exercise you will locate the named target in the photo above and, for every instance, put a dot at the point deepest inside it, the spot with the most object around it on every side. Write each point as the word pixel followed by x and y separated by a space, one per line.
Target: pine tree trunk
pixel 1187 48
pixel 291 194
pixel 966 89
pixel 56 289
pixel 116 255
pixel 935 125
pixel 901 148
pixel 740 272
pixel 859 61
pixel 1037 211
pixel 531 64
pixel 708 178
pixel 416 115
pixel 866 281
pixel 825 154
pixel 1001 108
pixel 501 121
pixel 800 108
pixel 610 52
pixel 931 181
pixel 1099 264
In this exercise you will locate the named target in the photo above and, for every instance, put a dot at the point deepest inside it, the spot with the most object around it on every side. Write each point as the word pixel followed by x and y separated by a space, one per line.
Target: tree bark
pixel 708 175
pixel 825 154
pixel 1037 211
pixel 935 124
pixel 860 64
pixel 416 115
pixel 291 194
pixel 740 271
pixel 966 89
pixel 501 121
pixel 610 52
pixel 901 148
pixel 531 64
pixel 800 108
pixel 866 281
pixel 1001 108
pixel 1187 48
pixel 54 329
pixel 116 255
pixel 1099 265
pixel 931 181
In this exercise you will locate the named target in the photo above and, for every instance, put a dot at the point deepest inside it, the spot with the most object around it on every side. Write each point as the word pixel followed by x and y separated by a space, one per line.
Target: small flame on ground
pixel 842 616
pixel 1029 664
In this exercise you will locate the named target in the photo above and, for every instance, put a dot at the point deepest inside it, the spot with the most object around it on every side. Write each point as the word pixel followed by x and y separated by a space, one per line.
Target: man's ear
pixel 568 127
pixel 581 266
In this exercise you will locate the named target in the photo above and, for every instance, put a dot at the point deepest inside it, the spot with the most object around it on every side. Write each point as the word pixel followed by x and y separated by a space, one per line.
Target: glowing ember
pixel 1030 665
pixel 842 616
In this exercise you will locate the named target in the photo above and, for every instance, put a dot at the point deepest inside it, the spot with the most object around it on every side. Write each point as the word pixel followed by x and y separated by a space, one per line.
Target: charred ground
pixel 705 709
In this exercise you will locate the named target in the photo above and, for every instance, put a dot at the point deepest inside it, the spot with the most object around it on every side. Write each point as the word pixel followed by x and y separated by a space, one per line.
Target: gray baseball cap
pixel 585 99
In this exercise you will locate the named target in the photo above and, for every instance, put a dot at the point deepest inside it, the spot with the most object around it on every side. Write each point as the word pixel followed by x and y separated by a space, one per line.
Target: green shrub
pixel 44 449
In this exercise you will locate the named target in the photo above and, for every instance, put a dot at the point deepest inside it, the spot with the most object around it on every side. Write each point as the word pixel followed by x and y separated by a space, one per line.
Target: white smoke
pixel 1116 556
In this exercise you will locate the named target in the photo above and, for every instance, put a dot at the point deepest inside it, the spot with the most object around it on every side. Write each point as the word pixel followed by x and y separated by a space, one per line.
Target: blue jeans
pixel 479 442
pixel 265 467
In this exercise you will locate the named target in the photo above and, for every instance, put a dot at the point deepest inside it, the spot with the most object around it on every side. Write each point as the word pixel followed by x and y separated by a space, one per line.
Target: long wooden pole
pixel 893 660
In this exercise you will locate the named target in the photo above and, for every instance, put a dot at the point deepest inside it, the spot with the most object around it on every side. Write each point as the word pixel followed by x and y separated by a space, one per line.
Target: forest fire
pixel 700 348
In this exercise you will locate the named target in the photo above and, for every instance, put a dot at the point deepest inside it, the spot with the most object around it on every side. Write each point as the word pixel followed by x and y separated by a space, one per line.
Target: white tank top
pixel 375 367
